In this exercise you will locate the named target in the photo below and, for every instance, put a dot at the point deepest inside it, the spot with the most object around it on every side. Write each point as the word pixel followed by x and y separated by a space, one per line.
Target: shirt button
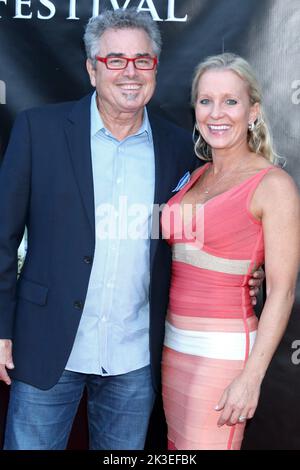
pixel 78 305
pixel 119 180
pixel 87 259
pixel 109 285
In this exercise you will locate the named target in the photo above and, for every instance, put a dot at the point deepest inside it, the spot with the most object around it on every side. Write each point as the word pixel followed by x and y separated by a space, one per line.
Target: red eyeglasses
pixel 119 63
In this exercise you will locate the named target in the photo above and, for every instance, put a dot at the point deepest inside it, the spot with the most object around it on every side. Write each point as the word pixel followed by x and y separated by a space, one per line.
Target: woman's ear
pixel 254 112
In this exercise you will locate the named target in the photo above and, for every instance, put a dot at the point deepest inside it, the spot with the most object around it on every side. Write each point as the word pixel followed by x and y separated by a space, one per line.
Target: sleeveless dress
pixel 210 325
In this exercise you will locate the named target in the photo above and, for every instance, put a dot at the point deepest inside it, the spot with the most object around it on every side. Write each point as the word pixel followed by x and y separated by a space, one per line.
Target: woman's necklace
pixel 208 188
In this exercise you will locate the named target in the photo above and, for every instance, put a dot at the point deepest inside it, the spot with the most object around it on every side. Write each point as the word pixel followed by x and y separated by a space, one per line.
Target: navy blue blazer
pixel 46 184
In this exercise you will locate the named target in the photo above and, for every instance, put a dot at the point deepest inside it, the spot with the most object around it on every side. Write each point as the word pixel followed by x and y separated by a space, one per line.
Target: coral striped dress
pixel 211 325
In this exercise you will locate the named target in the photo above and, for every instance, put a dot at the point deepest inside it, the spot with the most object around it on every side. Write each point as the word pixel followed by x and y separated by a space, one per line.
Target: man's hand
pixel 6 361
pixel 255 283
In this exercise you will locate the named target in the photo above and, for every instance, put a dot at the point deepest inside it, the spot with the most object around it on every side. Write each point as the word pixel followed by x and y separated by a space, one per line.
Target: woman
pixel 237 212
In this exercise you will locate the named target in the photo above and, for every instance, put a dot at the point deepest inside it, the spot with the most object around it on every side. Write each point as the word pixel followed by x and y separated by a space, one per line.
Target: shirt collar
pixel 97 123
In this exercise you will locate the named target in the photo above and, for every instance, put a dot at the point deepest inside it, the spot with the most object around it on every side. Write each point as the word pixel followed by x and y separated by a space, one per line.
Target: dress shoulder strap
pixel 255 182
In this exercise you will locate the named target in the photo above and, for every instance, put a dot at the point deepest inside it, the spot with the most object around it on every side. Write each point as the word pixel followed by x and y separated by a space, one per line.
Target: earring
pixel 200 146
pixel 251 126
pixel 195 131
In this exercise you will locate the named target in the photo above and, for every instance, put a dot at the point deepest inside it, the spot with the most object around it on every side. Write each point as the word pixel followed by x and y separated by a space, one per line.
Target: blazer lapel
pixel 77 130
pixel 163 171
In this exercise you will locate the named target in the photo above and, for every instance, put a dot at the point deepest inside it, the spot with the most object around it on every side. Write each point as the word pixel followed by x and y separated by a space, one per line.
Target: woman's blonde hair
pixel 259 138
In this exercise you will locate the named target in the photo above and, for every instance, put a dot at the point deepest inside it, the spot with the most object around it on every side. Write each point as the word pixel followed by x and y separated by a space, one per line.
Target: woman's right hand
pixel 239 400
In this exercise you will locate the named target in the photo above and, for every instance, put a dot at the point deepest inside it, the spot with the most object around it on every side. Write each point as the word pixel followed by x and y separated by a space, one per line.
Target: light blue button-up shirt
pixel 113 334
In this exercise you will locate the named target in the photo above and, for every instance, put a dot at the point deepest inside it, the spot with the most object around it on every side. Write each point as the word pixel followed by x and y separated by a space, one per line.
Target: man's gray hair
pixel 119 19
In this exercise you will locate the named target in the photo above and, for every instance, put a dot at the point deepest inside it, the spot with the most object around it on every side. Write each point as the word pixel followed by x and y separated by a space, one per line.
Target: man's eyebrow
pixel 115 54
pixel 121 54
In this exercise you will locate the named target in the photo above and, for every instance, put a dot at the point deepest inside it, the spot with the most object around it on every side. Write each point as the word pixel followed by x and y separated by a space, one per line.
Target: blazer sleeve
pixel 15 178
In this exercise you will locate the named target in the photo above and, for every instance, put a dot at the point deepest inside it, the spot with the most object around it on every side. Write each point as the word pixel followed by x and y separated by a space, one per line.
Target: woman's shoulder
pixel 278 177
pixel 277 184
pixel 275 175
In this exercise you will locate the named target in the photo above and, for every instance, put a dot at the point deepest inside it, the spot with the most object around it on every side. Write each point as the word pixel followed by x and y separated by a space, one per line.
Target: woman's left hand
pixel 239 401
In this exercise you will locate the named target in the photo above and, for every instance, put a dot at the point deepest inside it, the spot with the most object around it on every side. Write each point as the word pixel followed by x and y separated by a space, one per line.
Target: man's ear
pixel 91 72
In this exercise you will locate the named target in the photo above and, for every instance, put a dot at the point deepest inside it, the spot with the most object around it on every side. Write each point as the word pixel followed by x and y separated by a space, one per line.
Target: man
pixel 85 305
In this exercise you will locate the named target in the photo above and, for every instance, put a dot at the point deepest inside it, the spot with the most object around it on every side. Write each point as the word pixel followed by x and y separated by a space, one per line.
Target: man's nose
pixel 130 70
